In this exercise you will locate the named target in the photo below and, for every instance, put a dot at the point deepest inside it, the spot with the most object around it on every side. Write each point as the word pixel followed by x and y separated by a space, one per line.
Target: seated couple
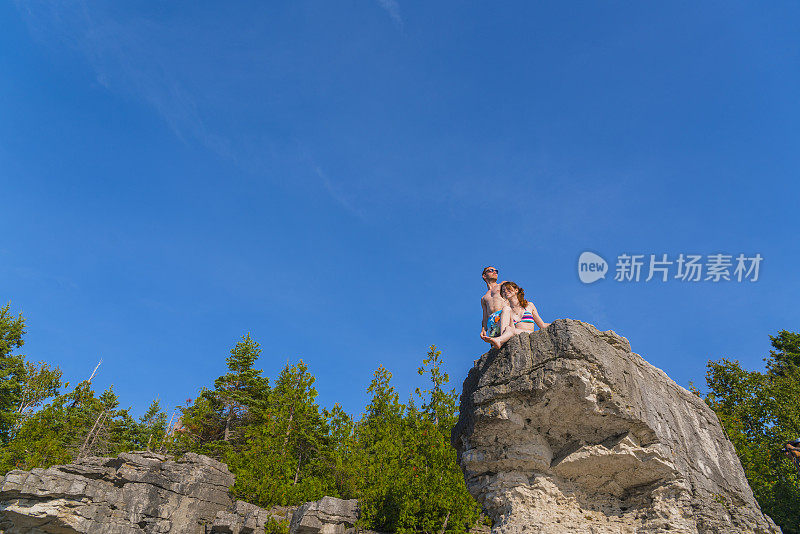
pixel 506 313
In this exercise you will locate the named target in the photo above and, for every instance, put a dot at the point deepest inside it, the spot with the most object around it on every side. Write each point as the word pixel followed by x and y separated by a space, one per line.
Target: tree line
pixel 282 446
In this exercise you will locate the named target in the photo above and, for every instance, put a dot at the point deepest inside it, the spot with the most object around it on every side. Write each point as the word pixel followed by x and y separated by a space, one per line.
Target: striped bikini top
pixel 527 317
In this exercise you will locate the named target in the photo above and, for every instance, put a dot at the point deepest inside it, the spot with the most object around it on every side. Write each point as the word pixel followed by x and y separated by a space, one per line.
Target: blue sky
pixel 333 176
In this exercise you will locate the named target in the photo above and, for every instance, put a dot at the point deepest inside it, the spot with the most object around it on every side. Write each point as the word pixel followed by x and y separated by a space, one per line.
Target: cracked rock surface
pixel 328 515
pixel 146 492
pixel 246 518
pixel 567 430
pixel 138 492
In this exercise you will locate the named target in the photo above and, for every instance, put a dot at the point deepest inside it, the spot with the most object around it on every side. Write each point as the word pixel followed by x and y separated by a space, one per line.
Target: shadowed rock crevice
pixel 567 430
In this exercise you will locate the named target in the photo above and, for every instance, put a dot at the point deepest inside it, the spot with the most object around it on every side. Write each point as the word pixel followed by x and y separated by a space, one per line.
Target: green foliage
pixel 282 446
pixel 397 460
pixel 40 425
pixel 216 423
pixel 12 370
pixel 286 456
pixel 411 481
pixel 342 453
pixel 275 526
pixel 275 439
pixel 760 413
pixel 242 387
pixel 79 423
pixel 40 381
pixel 786 356
pixel 151 428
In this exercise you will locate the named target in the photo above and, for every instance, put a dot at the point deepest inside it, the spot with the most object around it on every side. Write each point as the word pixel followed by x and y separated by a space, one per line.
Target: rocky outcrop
pixel 145 492
pixel 246 518
pixel 567 430
pixel 139 492
pixel 326 516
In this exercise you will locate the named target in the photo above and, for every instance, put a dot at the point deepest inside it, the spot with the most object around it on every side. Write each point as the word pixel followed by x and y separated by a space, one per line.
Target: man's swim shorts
pixel 493 324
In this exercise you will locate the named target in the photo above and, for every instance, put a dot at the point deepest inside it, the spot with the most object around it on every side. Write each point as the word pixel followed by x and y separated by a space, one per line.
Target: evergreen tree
pixel 151 429
pixel 274 439
pixel 242 387
pixel 341 459
pixel 282 447
pixel 41 426
pixel 215 423
pixel 24 386
pixel 380 454
pixel 443 497
pixel 411 480
pixel 287 455
pixel 73 424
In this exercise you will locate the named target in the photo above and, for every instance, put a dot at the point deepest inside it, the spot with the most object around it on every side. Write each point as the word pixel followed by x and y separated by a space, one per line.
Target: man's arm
pixel 485 309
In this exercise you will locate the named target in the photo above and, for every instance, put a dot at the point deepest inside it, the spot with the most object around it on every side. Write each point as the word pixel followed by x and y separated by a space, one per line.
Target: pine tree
pixel 286 458
pixel 341 454
pixel 152 427
pixel 381 455
pixel 72 425
pixel 215 423
pixel 410 478
pixel 242 387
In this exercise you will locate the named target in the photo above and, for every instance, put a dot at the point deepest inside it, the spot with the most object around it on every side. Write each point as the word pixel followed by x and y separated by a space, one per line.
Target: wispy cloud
pixel 337 194
pixel 127 55
pixel 144 60
pixel 393 8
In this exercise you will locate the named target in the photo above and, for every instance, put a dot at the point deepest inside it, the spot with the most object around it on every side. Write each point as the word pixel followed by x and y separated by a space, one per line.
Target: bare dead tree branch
pixel 95 370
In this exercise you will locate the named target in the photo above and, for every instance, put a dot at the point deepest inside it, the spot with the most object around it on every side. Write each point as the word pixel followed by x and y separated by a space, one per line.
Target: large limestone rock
pixel 145 492
pixel 567 430
pixel 139 492
pixel 328 515
pixel 246 518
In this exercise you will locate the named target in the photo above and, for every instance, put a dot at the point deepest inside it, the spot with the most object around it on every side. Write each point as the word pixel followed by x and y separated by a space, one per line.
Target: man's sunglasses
pixel 490 271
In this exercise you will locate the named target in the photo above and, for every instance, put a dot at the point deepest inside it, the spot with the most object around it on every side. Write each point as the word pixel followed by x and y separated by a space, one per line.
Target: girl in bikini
pixel 519 316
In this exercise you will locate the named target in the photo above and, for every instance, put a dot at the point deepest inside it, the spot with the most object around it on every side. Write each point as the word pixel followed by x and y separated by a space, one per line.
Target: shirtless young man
pixel 492 303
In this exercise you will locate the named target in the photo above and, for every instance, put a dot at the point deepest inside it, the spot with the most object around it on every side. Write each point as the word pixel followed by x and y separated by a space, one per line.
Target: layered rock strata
pixel 140 492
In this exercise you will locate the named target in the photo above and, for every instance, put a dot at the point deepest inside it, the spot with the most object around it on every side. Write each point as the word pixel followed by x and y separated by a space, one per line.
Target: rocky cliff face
pixel 567 430
pixel 145 492
pixel 135 492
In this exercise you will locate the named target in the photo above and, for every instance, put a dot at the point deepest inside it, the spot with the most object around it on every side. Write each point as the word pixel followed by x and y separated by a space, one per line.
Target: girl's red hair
pixel 520 293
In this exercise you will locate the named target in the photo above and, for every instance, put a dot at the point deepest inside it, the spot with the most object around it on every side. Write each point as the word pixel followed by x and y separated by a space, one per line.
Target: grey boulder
pixel 138 492
pixel 328 515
